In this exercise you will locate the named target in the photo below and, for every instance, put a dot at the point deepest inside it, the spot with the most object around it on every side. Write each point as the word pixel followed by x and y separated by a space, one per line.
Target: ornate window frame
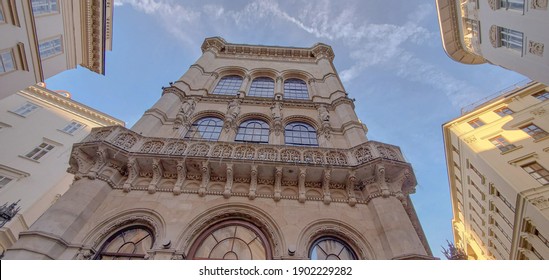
pixel 120 232
pixel 332 238
pixel 264 129
pixel 226 87
pixel 198 124
pixel 310 130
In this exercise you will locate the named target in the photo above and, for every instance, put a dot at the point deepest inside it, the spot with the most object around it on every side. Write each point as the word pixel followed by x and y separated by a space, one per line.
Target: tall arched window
pixel 256 131
pixel 298 133
pixel 232 240
pixel 228 85
pixel 208 128
pixel 130 243
pixel 262 87
pixel 295 89
pixel 331 248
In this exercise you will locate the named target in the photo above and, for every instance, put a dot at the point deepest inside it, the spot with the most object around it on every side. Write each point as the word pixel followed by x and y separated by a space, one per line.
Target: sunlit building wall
pixel 37 130
pixel 41 38
pixel 509 33
pixel 498 160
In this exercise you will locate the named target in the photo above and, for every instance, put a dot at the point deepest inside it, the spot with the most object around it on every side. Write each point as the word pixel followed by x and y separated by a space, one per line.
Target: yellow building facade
pixel 498 159
pixel 41 38
pixel 37 130
pixel 256 152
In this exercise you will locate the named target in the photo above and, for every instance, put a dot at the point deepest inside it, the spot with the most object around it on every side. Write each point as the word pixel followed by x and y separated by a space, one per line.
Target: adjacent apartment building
pixel 41 38
pixel 37 130
pixel 498 161
pixel 256 152
pixel 509 33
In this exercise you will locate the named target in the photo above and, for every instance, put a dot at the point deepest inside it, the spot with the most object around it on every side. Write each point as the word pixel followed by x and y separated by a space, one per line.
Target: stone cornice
pixel 57 100
pixel 95 31
pixel 221 48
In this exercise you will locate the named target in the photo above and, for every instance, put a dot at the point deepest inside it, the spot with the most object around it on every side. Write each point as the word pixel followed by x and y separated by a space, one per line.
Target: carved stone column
pixel 301 184
pixel 380 180
pixel 244 86
pixel 278 183
pixel 278 88
pixel 181 177
pixel 253 182
pixel 133 174
pixel 229 182
pixel 351 182
pixel 326 186
pixel 205 178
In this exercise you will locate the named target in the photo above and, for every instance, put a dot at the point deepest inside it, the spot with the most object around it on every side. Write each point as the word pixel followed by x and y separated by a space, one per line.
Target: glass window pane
pixel 208 128
pixel 299 133
pixel 228 85
pixel 262 87
pixel 253 131
pixel 295 89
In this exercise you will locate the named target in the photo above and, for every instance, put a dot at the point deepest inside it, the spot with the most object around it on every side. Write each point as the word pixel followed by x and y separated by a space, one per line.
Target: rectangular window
pixel 476 123
pixel 511 39
pixel 534 131
pixel 502 143
pixel 50 48
pixel 542 95
pixel 516 5
pixel 2 19
pixel 72 127
pixel 4 180
pixel 538 172
pixel 39 151
pixel 40 7
pixel 7 61
pixel 26 109
pixel 504 111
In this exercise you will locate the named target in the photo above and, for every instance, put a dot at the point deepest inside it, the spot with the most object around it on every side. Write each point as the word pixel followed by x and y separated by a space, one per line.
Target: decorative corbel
pixel 278 183
pixel 78 164
pixel 205 178
pixel 380 180
pixel 100 160
pixel 253 182
pixel 181 177
pixel 351 182
pixel 157 175
pixel 326 186
pixel 301 184
pixel 229 182
pixel 133 174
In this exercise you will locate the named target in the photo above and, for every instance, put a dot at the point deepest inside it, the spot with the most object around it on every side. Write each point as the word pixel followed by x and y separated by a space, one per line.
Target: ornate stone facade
pixel 289 163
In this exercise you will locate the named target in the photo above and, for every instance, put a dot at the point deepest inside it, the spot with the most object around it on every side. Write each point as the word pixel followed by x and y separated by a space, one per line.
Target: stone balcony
pixel 129 161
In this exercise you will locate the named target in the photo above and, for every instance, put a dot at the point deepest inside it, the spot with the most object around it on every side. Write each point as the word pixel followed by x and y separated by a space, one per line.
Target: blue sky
pixel 388 54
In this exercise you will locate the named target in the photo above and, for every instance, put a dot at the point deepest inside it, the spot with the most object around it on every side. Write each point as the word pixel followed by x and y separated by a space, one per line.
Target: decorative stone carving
pixel 97 136
pixel 205 178
pixel 157 175
pixel 380 180
pixel 539 111
pixel 470 139
pixel 387 153
pixel 324 117
pixel 290 155
pixel 336 158
pixel 535 48
pixel 125 141
pixel 326 186
pixel 540 202
pixel 363 154
pixel 494 36
pixel 199 149
pixel 133 173
pixel 229 181
pixel 267 154
pixel 181 177
pixel 313 157
pixel 253 182
pixel 175 149
pixel 84 254
pixel 538 4
pixel 278 183
pixel 152 147
pixel 100 160
pixel 186 110
pixel 233 111
pixel 351 182
pixel 244 152
pixel 493 4
pixel 301 184
pixel 276 113
pixel 222 151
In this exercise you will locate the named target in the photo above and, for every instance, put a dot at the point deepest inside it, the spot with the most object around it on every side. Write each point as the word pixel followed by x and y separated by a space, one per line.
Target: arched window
pixel 331 248
pixel 262 87
pixel 295 89
pixel 207 128
pixel 298 133
pixel 130 243
pixel 232 240
pixel 256 131
pixel 228 85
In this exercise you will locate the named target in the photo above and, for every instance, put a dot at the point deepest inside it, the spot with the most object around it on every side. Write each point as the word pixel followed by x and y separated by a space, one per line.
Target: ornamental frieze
pixel 538 4
pixel 535 48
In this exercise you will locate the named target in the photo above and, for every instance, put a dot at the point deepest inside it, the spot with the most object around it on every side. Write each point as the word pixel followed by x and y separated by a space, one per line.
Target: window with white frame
pixel 501 143
pixel 72 127
pixel 7 61
pixel 26 109
pixel 511 39
pixel 40 151
pixel 51 47
pixel 4 180
pixel 534 131
pixel 515 5
pixel 41 7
